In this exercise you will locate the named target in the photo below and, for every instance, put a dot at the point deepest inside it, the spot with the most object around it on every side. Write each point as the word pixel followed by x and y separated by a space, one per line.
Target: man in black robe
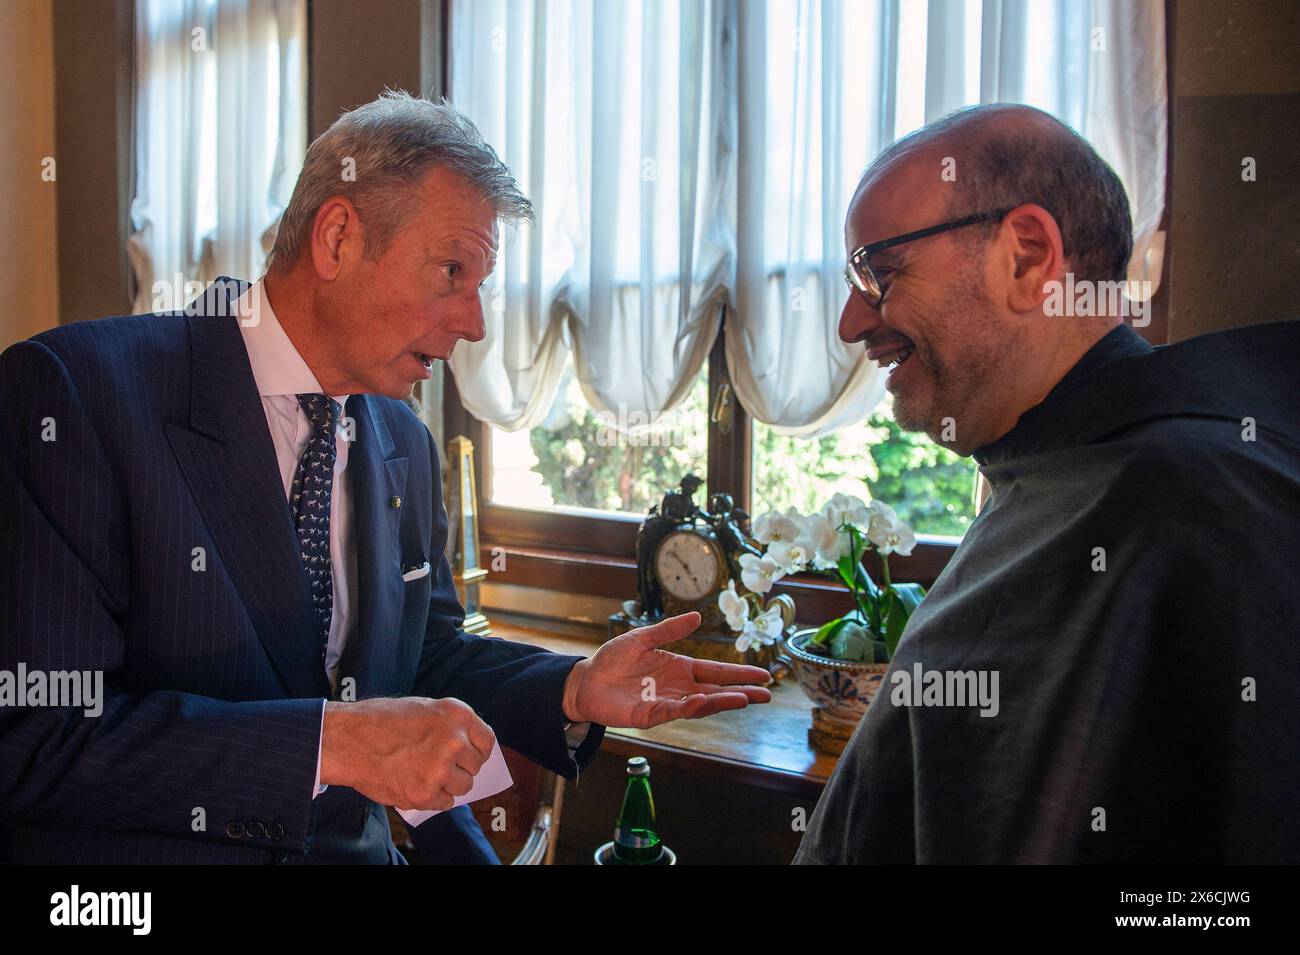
pixel 1109 668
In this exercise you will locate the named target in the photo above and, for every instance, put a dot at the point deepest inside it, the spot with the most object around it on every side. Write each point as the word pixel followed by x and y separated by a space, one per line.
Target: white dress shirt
pixel 281 375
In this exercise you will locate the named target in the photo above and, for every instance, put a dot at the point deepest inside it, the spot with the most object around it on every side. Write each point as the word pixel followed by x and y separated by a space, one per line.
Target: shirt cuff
pixel 319 743
pixel 576 733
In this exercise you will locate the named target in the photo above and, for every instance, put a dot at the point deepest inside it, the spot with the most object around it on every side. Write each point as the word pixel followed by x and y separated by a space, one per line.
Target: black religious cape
pixel 1129 591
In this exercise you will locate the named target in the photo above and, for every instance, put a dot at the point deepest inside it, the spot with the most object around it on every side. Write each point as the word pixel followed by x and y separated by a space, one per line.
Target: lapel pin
pixel 395 502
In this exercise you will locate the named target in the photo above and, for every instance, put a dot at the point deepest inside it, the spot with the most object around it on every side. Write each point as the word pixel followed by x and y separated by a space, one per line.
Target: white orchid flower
pixel 882 511
pixel 770 623
pixel 763 630
pixel 821 540
pixel 790 556
pixel 887 532
pixel 759 573
pixel 734 607
pixel 777 526
pixel 846 509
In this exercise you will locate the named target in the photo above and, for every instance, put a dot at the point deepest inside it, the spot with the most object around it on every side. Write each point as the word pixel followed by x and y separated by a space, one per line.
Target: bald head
pixel 1003 155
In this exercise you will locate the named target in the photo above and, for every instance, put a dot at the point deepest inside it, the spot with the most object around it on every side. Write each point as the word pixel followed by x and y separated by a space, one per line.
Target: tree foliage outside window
pixel 576 460
pixel 584 462
pixel 930 487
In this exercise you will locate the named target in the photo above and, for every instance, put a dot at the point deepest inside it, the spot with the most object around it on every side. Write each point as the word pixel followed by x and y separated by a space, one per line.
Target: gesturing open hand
pixel 631 682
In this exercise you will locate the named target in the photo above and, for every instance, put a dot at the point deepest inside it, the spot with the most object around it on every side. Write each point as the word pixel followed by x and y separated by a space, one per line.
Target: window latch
pixel 723 411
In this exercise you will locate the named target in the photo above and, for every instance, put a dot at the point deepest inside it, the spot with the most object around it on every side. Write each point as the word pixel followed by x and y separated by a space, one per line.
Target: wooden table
pixel 734 787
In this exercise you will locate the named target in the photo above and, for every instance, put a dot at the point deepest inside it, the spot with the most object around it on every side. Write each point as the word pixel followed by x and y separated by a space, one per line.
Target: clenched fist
pixel 412 752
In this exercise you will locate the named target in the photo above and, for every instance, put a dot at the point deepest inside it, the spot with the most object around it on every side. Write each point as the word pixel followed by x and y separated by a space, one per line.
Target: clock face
pixel 688 565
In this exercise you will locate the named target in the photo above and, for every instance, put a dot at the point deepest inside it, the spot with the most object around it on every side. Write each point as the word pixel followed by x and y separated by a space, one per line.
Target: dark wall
pixel 92 101
pixel 361 47
pixel 1234 246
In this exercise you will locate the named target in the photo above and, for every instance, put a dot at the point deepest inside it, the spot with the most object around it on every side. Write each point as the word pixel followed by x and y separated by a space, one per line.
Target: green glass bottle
pixel 636 842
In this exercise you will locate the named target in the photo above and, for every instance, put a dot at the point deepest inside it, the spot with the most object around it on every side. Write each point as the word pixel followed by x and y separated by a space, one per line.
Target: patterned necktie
pixel 309 500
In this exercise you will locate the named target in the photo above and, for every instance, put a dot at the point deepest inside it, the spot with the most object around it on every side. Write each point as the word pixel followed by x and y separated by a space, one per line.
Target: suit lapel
pixel 229 461
pixel 377 479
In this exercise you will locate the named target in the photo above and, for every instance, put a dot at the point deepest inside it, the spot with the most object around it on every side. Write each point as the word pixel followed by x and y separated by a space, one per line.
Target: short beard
pixel 958 381
pixel 915 414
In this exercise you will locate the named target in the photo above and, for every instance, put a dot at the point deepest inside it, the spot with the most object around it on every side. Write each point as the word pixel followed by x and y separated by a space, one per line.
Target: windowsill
pixel 588 586
pixel 562 600
pixel 764 745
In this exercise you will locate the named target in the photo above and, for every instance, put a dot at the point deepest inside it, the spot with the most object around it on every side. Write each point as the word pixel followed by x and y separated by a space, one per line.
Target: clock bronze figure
pixel 684 559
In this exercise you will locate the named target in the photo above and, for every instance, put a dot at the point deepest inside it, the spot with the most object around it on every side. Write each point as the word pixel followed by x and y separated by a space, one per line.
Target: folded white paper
pixel 493 777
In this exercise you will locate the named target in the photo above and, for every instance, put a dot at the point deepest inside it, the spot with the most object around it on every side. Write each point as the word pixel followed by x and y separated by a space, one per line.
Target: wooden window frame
pixel 595 554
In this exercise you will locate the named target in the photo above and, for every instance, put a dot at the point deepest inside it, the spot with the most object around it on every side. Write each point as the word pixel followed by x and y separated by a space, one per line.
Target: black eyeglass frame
pixel 868 285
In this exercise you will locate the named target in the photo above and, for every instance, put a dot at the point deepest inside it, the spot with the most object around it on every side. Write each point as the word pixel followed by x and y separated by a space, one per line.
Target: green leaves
pixel 881 614
pixel 901 600
pixel 855 576
pixel 848 638
pixel 930 486
pixel 871 632
pixel 853 642
pixel 827 631
pixel 910 595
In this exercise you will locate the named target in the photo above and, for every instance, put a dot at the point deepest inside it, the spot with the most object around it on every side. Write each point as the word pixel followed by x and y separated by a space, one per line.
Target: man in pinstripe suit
pixel 231 514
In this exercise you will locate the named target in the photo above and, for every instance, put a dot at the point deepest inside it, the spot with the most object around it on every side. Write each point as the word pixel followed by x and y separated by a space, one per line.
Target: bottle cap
pixel 637 766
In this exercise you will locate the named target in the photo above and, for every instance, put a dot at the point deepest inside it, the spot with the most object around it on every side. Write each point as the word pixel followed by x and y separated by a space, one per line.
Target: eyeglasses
pixel 859 274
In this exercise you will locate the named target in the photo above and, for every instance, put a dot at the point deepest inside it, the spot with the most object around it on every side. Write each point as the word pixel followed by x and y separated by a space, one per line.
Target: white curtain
pixel 1099 66
pixel 220 133
pixel 613 118
pixel 816 96
pixel 756 119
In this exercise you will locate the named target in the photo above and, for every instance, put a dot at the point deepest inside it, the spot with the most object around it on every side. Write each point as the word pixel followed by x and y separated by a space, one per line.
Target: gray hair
pixel 1010 155
pixel 376 156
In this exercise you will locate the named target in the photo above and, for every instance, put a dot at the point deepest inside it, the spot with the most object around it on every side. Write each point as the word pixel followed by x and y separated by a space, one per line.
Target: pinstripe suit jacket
pixel 206 747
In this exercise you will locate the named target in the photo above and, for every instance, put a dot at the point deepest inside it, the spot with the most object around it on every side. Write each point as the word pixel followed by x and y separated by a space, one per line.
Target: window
pixel 929 486
pixel 576 463
pixel 580 460
pixel 220 132
pixel 691 164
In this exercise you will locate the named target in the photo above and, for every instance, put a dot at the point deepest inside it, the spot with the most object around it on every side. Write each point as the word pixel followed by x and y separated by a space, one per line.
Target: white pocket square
pixel 417 573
